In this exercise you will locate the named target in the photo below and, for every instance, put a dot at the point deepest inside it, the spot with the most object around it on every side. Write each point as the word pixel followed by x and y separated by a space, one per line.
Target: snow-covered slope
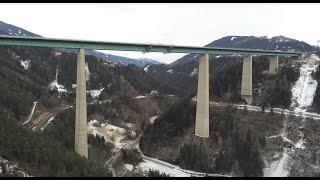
pixel 304 89
pixel 9 169
pixel 302 97
pixel 12 30
pixel 55 85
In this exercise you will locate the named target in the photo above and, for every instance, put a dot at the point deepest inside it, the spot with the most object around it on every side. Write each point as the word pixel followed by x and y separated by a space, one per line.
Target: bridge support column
pixel 202 114
pixel 273 64
pixel 81 143
pixel 246 85
pixel 301 57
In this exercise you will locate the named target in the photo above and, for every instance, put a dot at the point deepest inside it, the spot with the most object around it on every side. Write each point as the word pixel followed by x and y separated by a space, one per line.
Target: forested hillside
pixel 225 79
pixel 41 155
pixel 47 77
pixel 234 145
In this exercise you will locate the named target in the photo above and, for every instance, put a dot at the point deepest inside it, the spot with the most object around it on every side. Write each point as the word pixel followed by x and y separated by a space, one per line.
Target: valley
pixel 141 114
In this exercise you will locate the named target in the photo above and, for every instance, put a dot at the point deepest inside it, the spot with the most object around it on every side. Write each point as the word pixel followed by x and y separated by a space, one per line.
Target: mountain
pixel 252 42
pixel 141 62
pixel 37 100
pixel 180 73
pixel 11 30
pixel 37 86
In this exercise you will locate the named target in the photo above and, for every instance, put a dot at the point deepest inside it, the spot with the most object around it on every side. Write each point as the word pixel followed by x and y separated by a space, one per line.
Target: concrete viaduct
pixel 202 110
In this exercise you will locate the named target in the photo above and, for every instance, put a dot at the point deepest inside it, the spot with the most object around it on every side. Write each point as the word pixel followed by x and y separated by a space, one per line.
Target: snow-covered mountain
pixel 252 42
pixel 11 30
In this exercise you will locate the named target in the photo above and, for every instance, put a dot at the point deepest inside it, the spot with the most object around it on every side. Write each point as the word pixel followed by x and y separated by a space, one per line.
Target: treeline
pixel 19 87
pixel 235 151
pixel 279 94
pixel 156 173
pixel 62 130
pixel 102 74
pixel 243 156
pixel 171 124
pixel 226 85
pixel 41 155
pixel 226 76
pixel 181 77
pixel 192 156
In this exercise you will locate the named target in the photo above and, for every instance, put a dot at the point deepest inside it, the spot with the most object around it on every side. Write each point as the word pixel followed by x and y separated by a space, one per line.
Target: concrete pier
pixel 202 114
pixel 81 143
pixel 273 64
pixel 246 85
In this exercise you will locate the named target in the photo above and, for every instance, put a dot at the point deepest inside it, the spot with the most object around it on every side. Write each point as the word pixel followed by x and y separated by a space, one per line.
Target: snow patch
pixel 146 69
pixel 314 56
pixel 96 93
pixel 170 71
pixel 51 119
pixel 149 165
pixel 140 97
pixel 87 72
pixel 57 54
pixel 129 167
pixel 110 133
pixel 304 89
pixel 11 170
pixel 32 111
pixel 278 168
pixel 232 38
pixel 194 72
pixel 55 85
pixel 25 64
pixel 152 119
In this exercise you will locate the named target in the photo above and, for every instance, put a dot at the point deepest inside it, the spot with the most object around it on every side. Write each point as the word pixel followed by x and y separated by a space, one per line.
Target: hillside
pixel 247 141
pixel 182 73
pixel 225 79
pixel 37 86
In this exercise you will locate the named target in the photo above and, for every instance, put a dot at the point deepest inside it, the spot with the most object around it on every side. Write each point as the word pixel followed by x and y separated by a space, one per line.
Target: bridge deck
pixel 99 45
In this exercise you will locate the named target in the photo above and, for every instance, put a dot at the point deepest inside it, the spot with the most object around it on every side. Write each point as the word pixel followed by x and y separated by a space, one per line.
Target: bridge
pixel 202 110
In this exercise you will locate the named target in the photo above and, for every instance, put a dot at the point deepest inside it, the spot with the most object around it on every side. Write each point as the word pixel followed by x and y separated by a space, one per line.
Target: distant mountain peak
pixel 282 38
pixel 11 30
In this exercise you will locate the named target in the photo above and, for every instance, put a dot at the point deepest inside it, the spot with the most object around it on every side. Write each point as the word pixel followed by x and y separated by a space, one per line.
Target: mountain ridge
pixel 12 30
pixel 253 42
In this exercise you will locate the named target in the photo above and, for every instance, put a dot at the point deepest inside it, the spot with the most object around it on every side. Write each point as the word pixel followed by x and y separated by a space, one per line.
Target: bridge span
pixel 202 110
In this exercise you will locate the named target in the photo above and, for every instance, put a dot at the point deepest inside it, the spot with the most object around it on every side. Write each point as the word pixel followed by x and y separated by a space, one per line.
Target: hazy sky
pixel 177 24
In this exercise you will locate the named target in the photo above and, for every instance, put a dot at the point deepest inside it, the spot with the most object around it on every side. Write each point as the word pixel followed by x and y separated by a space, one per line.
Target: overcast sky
pixel 177 24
